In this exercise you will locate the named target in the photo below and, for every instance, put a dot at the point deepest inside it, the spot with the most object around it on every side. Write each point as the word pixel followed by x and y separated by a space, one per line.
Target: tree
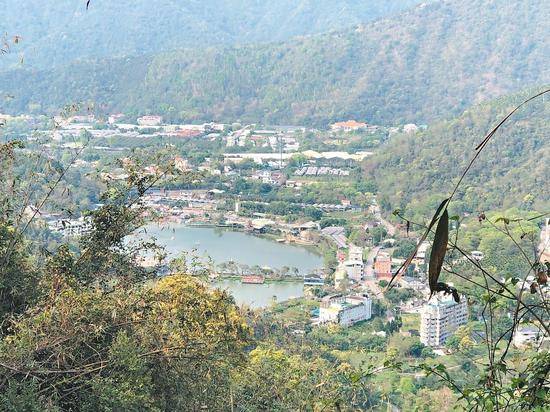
pixel 156 347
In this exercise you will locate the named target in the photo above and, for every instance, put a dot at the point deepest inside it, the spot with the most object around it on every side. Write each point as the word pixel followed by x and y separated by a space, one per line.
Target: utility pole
pixel 280 140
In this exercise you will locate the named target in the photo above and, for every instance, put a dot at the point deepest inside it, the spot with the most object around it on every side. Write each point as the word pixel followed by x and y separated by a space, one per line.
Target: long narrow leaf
pixel 403 268
pixel 439 250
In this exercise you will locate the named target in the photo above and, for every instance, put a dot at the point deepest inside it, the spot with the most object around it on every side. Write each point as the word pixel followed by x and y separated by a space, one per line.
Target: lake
pixel 223 245
pixel 261 296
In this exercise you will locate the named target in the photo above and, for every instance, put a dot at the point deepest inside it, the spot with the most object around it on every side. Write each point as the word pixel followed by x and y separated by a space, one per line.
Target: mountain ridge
pixel 428 63
pixel 58 31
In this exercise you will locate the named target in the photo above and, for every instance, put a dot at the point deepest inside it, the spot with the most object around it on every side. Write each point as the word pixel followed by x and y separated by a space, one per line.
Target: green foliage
pixel 145 347
pixel 403 248
pixel 416 171
pixel 277 381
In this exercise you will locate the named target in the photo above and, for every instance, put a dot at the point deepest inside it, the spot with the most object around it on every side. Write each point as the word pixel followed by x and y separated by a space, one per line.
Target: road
pixel 390 228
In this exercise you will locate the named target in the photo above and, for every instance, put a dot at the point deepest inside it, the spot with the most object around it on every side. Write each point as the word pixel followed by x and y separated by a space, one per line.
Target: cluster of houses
pixel 321 171
pixel 70 227
pixel 279 139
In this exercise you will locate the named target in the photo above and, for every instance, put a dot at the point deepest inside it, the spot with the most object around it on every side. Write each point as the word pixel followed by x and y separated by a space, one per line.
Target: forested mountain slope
pixel 57 31
pixel 427 63
pixel 417 172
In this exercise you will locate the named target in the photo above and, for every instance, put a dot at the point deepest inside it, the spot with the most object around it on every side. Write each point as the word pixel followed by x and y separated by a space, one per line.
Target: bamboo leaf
pixel 403 268
pixel 439 250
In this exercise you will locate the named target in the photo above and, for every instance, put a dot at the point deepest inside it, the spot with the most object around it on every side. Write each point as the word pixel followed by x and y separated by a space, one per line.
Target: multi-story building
pixel 71 227
pixel 440 318
pixel 355 265
pixel 355 253
pixel 354 269
pixel 345 309
pixel 382 266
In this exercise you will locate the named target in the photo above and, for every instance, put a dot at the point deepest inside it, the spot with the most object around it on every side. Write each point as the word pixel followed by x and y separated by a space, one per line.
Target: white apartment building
pixel 345 309
pixel 71 227
pixel 440 317
pixel 355 253
pixel 355 265
pixel 354 269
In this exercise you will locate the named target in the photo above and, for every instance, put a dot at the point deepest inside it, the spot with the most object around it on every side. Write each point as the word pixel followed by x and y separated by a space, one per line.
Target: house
pixel 115 118
pixel 354 269
pixel 354 265
pixel 150 121
pixel 181 164
pixel 349 126
pixel 477 255
pixel 71 227
pixel 355 253
pixel 422 251
pixel 272 178
pixel 410 128
pixel 90 118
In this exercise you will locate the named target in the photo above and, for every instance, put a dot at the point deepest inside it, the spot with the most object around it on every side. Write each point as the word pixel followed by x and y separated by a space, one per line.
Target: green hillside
pixel 417 171
pixel 430 62
pixel 57 31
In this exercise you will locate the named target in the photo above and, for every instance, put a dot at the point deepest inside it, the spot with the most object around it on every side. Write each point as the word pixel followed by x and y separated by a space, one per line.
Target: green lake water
pixel 223 245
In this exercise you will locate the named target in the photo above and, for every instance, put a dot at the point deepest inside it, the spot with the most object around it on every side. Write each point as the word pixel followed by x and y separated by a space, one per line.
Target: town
pixel 291 185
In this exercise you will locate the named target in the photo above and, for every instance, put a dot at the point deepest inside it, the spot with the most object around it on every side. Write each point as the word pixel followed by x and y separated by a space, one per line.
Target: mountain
pixel 418 171
pixel 427 63
pixel 55 32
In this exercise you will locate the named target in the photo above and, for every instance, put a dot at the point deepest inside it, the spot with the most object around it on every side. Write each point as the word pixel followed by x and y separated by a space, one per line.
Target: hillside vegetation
pixel 433 61
pixel 417 171
pixel 55 32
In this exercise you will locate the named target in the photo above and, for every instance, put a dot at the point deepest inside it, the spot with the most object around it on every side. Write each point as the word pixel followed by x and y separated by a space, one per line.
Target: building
pixel 354 269
pixel 355 265
pixel 186 133
pixel 421 253
pixel 410 128
pixel 313 281
pixel 71 227
pixel 355 253
pixel 526 336
pixel 115 118
pixel 88 118
pixel 382 265
pixel 477 255
pixel 349 126
pixel 440 317
pixel 181 164
pixel 345 310
pixel 150 120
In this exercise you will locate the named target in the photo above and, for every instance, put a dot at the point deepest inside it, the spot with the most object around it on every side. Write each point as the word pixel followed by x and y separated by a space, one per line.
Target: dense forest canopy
pixel 414 171
pixel 427 63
